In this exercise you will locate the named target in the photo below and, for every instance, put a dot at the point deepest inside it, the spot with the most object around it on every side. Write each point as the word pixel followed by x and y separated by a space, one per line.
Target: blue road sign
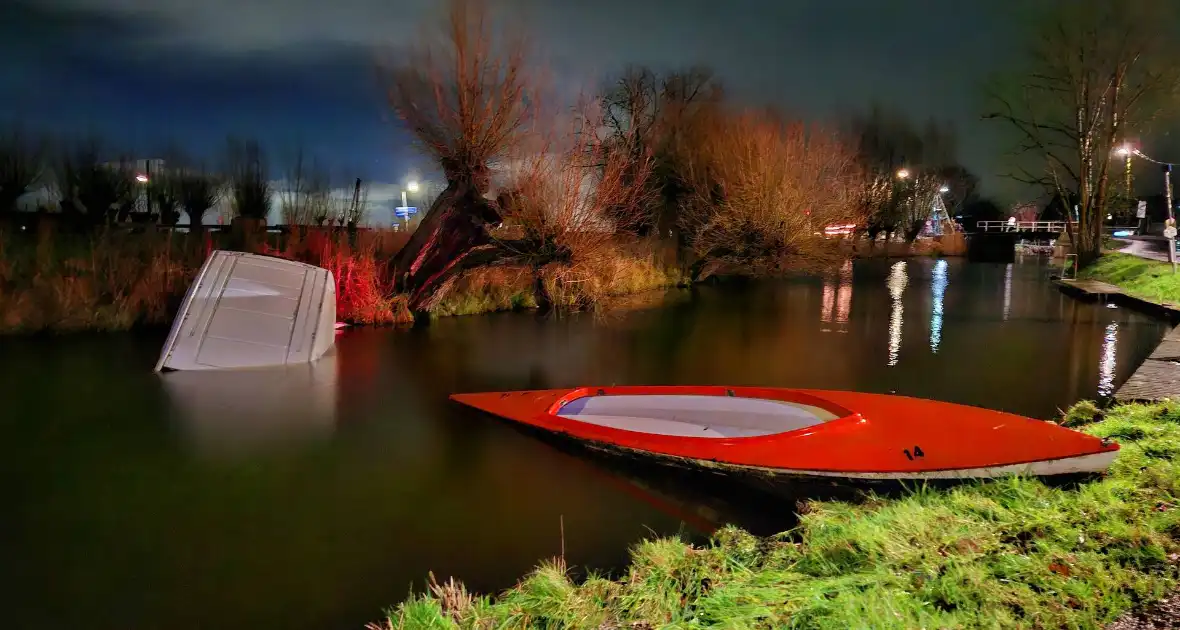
pixel 404 211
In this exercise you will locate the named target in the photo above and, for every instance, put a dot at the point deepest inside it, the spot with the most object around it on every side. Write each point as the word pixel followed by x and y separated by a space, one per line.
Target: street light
pixel 141 178
pixel 903 173
pixel 944 189
pixel 411 186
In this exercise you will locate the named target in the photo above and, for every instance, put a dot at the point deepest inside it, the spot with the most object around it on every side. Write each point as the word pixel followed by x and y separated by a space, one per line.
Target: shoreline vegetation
pixel 1007 553
pixel 1148 280
pixel 119 280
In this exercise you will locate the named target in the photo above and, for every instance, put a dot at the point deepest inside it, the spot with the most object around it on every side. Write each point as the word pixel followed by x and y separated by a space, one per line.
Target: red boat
pixel 772 432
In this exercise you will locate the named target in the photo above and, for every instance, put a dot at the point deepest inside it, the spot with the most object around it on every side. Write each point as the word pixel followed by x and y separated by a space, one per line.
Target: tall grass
pixel 1142 278
pixel 1013 553
pixel 110 281
pixel 118 280
pixel 488 290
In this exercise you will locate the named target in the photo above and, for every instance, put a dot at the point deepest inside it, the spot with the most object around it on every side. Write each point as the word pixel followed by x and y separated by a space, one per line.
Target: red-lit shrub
pixel 358 262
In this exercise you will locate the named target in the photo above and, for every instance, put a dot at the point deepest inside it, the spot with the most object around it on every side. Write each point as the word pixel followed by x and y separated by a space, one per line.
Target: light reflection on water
pixel 937 290
pixel 837 298
pixel 337 486
pixel 897 283
pixel 1106 366
pixel 231 414
pixel 1008 291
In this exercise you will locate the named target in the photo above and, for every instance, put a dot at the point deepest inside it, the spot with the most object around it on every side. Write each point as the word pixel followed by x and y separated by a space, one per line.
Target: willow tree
pixel 1097 73
pixel 468 102
pixel 764 189
pixel 651 117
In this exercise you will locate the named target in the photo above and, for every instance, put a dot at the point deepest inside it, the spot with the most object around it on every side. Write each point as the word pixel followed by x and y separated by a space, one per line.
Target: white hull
pixel 1082 464
pixel 247 311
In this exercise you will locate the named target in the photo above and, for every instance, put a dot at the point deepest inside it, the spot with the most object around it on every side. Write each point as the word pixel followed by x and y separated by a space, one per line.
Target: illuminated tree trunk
pixel 442 246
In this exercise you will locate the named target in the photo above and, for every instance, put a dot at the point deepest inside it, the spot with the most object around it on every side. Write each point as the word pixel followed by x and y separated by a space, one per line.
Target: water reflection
pixel 938 290
pixel 1007 291
pixel 837 297
pixel 339 497
pixel 238 412
pixel 897 283
pixel 1106 365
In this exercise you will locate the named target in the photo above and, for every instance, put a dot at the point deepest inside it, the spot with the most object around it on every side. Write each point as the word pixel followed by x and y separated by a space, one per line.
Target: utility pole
pixel 1170 227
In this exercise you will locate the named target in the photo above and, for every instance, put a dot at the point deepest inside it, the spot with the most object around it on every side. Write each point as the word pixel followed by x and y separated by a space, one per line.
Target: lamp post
pixel 411 186
pixel 1170 226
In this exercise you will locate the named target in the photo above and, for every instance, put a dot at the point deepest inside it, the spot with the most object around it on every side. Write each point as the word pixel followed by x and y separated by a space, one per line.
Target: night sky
pixel 143 73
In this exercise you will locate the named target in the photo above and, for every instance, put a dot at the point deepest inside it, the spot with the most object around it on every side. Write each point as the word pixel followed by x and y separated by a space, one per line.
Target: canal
pixel 315 498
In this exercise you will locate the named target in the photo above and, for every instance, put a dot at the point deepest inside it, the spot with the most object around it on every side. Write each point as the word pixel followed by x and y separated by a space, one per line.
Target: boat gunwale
pixel 843 414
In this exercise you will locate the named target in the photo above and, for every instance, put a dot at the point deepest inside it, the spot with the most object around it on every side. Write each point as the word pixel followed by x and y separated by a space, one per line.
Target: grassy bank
pixel 1142 278
pixel 119 280
pixel 1010 553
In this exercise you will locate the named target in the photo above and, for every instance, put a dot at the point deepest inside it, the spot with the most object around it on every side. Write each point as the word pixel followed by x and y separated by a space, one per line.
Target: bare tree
pixel 303 192
pixel 164 193
pixel 92 191
pixel 319 197
pixel 1097 72
pixel 566 197
pixel 905 170
pixel 764 190
pixel 22 163
pixel 198 191
pixel 468 103
pixel 251 191
pixel 649 117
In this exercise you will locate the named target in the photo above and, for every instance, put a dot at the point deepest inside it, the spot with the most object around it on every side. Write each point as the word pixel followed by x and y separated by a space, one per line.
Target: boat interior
pixel 691 415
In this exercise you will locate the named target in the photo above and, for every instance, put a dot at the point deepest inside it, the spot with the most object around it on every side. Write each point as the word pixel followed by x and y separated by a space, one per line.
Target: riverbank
pixel 1009 553
pixel 122 280
pixel 1138 277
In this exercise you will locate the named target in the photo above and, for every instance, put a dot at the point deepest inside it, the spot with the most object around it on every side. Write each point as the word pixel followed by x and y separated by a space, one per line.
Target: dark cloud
pixel 288 70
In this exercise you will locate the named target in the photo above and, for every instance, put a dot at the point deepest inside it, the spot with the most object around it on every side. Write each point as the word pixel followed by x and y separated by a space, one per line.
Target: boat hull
pixel 886 439
pixel 252 311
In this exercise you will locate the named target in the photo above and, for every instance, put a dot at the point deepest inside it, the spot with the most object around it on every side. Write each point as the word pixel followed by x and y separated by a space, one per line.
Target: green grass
pixel 1142 278
pixel 1001 554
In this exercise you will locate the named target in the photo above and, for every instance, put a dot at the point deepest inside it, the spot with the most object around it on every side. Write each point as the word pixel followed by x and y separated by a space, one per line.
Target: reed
pixel 118 280
pixel 106 282
pixel 358 262
pixel 1003 554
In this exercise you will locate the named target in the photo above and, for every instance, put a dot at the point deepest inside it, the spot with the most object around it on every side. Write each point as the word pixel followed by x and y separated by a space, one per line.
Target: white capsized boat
pixel 247 310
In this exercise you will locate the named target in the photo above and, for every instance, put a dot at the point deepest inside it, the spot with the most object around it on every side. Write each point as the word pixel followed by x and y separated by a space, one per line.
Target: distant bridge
pixel 995 241
pixel 1049 227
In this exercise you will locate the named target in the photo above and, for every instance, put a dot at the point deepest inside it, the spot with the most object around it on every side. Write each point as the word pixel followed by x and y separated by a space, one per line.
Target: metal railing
pixel 1021 226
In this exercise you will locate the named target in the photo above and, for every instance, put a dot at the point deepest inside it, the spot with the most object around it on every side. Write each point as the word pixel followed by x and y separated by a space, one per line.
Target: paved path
pixel 1163 615
pixel 1158 377
pixel 1151 247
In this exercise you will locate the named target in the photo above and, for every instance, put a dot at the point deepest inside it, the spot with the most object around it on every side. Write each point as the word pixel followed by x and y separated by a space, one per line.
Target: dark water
pixel 315 498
